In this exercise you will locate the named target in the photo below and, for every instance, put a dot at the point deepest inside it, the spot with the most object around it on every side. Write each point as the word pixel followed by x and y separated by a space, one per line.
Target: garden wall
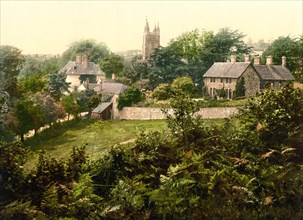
pixel 138 113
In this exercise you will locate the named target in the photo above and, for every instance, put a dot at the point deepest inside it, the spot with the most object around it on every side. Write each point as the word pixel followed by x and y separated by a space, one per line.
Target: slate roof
pixel 273 72
pixel 112 88
pixel 74 68
pixel 235 70
pixel 227 70
pixel 101 107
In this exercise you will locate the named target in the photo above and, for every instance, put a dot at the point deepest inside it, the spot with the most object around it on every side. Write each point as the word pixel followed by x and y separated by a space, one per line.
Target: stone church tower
pixel 151 41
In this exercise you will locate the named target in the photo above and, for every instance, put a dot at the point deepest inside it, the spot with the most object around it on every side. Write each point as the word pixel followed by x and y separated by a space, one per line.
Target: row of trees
pixel 34 94
pixel 250 167
pixel 190 54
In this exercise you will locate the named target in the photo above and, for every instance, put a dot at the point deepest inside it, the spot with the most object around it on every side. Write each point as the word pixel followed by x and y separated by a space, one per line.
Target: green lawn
pixel 98 135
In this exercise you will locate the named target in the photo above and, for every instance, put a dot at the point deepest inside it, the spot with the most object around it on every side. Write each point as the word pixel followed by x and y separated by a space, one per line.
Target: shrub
pixel 132 96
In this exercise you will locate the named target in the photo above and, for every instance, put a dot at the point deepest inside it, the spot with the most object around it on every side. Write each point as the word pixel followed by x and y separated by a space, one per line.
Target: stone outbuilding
pixel 103 111
pixel 110 91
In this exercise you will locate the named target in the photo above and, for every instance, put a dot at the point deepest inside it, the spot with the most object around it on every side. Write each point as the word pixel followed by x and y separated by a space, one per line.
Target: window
pixel 228 80
pixel 212 79
pixel 221 80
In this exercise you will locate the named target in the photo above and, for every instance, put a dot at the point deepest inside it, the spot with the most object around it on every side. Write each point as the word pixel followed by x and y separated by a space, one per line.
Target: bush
pixel 132 96
pixel 162 92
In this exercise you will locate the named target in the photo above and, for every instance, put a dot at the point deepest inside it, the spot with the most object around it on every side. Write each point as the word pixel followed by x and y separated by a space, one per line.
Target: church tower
pixel 151 41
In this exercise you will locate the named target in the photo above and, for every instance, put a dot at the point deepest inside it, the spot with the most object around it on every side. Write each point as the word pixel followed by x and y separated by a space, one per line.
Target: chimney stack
pixel 84 61
pixel 113 76
pixel 78 59
pixel 269 60
pixel 284 61
pixel 247 58
pixel 100 84
pixel 257 60
pixel 233 58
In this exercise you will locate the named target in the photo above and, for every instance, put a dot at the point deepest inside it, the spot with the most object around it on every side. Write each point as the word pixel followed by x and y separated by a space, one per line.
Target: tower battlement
pixel 151 41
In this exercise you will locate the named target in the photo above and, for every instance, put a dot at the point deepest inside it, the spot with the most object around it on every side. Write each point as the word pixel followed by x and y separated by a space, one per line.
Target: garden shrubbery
pixel 248 169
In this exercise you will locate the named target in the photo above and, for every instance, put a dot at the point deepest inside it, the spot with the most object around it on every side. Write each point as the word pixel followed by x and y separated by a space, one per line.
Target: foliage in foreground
pixel 191 171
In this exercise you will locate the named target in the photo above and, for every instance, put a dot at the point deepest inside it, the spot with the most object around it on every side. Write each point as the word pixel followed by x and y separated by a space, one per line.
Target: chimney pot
pixel 233 58
pixel 247 58
pixel 84 61
pixel 284 61
pixel 257 60
pixel 78 59
pixel 269 60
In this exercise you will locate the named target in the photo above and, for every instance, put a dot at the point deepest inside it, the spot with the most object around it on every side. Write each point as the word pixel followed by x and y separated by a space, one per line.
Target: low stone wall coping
pixel 145 113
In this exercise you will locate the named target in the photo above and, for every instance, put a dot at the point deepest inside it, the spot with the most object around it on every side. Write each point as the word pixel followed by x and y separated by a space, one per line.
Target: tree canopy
pixel 112 64
pixel 291 48
pixel 192 53
pixel 95 51
pixel 11 60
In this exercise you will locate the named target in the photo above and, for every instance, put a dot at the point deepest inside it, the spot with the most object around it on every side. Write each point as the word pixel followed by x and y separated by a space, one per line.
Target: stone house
pixel 224 76
pixel 274 75
pixel 82 74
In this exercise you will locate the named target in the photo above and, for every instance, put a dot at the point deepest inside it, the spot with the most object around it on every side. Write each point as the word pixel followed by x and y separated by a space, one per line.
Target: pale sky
pixel 48 27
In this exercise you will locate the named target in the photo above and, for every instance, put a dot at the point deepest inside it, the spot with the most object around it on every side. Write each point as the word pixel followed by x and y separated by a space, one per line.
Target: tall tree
pixel 31 66
pixel 112 64
pixel 71 106
pixel 291 48
pixel 51 66
pixel 11 60
pixel 57 85
pixel 95 51
pixel 32 83
pixel 192 53
pixel 20 120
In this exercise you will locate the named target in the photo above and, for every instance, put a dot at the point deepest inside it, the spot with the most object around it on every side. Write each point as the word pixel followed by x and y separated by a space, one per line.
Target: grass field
pixel 98 135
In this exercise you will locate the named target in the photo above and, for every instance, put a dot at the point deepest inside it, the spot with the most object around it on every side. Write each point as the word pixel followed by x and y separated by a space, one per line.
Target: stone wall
pixel 136 113
pixel 251 81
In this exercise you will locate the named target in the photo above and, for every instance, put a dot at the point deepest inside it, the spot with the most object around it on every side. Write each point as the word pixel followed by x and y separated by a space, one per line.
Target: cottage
pixel 82 73
pixel 273 75
pixel 224 76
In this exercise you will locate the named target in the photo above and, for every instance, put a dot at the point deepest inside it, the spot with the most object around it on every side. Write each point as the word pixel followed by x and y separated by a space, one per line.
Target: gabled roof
pixel 227 70
pixel 101 107
pixel 273 72
pixel 112 88
pixel 75 68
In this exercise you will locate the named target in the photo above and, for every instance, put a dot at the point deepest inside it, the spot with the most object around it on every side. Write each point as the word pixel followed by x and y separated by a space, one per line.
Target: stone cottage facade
pixel 274 75
pixel 226 75
pixel 151 41
pixel 81 73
